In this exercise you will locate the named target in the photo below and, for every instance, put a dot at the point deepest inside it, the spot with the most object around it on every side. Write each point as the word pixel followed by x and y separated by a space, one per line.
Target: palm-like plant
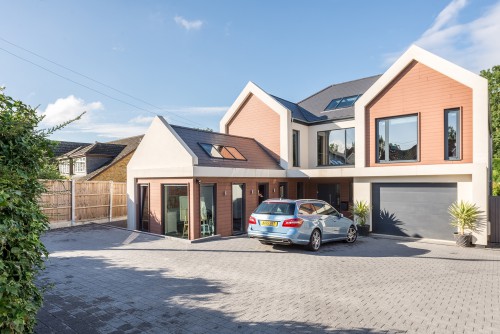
pixel 464 215
pixel 360 210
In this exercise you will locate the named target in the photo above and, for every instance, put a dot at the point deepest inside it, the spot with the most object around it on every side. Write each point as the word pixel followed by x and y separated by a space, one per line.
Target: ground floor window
pixel 176 210
pixel 143 190
pixel 263 192
pixel 283 190
pixel 207 210
pixel 238 193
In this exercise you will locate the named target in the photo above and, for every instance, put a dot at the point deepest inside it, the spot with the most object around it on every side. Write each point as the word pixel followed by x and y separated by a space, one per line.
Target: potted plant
pixel 464 215
pixel 360 211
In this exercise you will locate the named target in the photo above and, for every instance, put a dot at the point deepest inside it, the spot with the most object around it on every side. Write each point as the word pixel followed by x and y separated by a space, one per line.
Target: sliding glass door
pixel 207 210
pixel 176 210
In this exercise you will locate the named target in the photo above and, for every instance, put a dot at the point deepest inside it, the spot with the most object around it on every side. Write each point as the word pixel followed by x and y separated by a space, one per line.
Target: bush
pixel 360 211
pixel 464 215
pixel 24 154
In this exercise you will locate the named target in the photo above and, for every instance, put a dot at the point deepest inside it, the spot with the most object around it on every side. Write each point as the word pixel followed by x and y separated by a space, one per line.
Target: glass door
pixel 143 223
pixel 238 208
pixel 207 210
pixel 176 210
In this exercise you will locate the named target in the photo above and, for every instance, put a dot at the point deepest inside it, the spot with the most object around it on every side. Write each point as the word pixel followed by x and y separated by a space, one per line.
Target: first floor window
pixel 64 167
pixel 452 134
pixel 295 148
pixel 336 147
pixel 80 165
pixel 397 139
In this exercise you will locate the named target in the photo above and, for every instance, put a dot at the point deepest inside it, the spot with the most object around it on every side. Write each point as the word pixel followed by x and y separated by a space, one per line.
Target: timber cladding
pixel 423 91
pixel 256 120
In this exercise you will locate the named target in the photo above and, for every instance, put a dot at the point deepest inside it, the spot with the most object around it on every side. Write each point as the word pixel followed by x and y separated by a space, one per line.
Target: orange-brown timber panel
pixel 420 89
pixel 255 119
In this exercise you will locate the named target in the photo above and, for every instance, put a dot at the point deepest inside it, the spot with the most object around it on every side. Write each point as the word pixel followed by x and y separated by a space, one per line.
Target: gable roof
pixel 298 112
pixel 317 103
pixel 63 147
pixel 256 156
pixel 128 145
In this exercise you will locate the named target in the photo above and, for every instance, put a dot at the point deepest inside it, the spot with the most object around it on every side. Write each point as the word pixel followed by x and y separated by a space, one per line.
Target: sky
pixel 124 61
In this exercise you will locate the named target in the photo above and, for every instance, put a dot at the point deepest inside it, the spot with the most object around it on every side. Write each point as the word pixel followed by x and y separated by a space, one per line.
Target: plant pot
pixel 463 240
pixel 363 230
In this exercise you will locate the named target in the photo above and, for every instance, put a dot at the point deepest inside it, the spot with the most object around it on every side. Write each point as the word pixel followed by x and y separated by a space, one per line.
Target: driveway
pixel 109 280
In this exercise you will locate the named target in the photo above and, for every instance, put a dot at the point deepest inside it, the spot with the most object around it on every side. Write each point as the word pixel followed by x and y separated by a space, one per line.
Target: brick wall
pixel 116 173
pixel 420 89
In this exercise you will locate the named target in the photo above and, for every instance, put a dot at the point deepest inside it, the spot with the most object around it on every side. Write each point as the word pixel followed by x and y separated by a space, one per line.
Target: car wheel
pixel 314 241
pixel 352 234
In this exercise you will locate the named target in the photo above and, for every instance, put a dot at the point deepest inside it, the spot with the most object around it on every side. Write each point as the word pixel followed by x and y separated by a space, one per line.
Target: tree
pixel 25 153
pixel 493 77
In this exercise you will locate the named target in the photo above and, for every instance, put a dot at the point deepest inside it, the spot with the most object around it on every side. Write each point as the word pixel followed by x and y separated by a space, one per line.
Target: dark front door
pixel 143 224
pixel 263 192
pixel 330 193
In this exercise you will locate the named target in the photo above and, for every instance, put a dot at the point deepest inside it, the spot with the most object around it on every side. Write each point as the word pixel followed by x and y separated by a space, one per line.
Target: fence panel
pixel 56 202
pixel 92 200
pixel 494 214
pixel 119 199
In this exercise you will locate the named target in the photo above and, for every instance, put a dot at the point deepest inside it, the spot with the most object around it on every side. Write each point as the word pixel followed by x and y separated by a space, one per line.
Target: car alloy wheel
pixel 352 234
pixel 315 240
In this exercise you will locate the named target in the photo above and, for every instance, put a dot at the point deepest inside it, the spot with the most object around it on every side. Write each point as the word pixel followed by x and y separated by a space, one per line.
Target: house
pixel 409 142
pixel 98 161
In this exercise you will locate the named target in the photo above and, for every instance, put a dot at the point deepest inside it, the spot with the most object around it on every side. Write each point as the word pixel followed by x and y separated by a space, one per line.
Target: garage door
pixel 417 210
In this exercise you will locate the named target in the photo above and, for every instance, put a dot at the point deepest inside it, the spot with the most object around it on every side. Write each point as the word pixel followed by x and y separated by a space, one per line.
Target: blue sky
pixel 189 60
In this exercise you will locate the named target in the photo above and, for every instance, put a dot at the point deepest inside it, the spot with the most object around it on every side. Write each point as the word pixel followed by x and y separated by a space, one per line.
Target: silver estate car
pixel 308 222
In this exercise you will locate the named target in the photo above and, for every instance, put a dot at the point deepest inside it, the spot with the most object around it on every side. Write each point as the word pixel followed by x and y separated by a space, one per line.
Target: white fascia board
pixel 413 170
pixel 202 171
pixel 478 85
pixel 251 89
pixel 181 171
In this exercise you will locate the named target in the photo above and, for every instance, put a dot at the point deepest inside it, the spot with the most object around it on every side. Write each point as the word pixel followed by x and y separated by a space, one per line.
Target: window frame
pixel 223 147
pixel 324 151
pixel 458 112
pixel 387 131
pixel 295 148
pixel 80 162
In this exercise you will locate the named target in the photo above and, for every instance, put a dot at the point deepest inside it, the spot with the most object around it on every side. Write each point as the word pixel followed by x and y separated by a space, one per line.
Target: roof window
pixel 222 151
pixel 342 102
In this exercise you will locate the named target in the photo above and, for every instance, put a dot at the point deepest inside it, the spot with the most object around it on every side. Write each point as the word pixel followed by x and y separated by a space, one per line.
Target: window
pixel 64 167
pixel 276 208
pixel 336 147
pixel 342 102
pixel 80 165
pixel 306 209
pixel 452 134
pixel 222 151
pixel 295 148
pixel 397 139
pixel 324 209
pixel 283 189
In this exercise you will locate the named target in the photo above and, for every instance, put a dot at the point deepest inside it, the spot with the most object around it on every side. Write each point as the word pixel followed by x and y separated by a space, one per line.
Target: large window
pixel 336 147
pixel 397 139
pixel 452 134
pixel 176 210
pixel 295 148
pixel 80 165
pixel 64 166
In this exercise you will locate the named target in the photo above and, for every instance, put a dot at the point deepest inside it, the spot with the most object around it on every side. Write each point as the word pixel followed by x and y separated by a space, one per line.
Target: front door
pixel 263 192
pixel 238 191
pixel 330 193
pixel 207 210
pixel 143 224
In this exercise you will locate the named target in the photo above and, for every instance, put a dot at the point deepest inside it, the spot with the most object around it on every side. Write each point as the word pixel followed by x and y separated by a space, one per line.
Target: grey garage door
pixel 417 210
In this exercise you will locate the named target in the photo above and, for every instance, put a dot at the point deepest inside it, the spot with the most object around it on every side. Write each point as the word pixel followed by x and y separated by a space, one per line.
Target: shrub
pixel 360 211
pixel 25 153
pixel 464 215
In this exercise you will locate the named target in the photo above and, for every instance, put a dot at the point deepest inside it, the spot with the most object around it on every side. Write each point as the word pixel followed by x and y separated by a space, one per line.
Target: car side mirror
pixel 341 215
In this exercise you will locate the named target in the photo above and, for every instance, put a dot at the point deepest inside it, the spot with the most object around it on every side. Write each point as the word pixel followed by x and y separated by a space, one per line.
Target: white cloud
pixel 142 119
pixel 65 109
pixel 188 25
pixel 472 44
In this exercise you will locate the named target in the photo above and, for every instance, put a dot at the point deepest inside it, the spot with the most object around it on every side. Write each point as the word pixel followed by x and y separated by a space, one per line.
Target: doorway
pixel 207 210
pixel 143 223
pixel 176 210
pixel 263 192
pixel 330 193
pixel 238 208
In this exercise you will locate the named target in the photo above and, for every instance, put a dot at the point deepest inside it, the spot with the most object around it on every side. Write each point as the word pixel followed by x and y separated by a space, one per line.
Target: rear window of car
pixel 276 208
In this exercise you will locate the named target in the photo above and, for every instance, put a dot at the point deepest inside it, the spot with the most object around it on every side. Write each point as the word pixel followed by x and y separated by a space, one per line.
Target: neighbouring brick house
pixel 409 142
pixel 96 162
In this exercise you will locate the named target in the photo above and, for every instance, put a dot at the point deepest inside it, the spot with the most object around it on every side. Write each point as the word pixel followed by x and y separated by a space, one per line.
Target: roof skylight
pixel 342 102
pixel 222 151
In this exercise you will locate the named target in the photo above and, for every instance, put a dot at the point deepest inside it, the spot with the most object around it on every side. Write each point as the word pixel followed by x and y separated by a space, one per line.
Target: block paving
pixel 102 279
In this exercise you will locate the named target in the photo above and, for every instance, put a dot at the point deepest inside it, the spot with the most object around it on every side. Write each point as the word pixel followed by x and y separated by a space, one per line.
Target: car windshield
pixel 276 208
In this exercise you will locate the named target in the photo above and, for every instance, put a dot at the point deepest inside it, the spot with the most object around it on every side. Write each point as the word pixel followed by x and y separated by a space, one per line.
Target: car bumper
pixel 276 238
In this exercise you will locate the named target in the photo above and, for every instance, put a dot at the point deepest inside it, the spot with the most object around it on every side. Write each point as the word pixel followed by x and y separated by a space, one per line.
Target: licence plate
pixel 268 223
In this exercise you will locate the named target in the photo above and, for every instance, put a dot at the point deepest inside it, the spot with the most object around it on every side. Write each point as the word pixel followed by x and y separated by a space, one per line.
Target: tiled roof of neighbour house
pixel 298 112
pixel 99 149
pixel 127 145
pixel 317 102
pixel 63 147
pixel 256 156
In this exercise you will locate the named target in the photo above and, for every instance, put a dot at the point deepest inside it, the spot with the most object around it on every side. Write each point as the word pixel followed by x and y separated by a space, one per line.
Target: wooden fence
pixel 76 201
